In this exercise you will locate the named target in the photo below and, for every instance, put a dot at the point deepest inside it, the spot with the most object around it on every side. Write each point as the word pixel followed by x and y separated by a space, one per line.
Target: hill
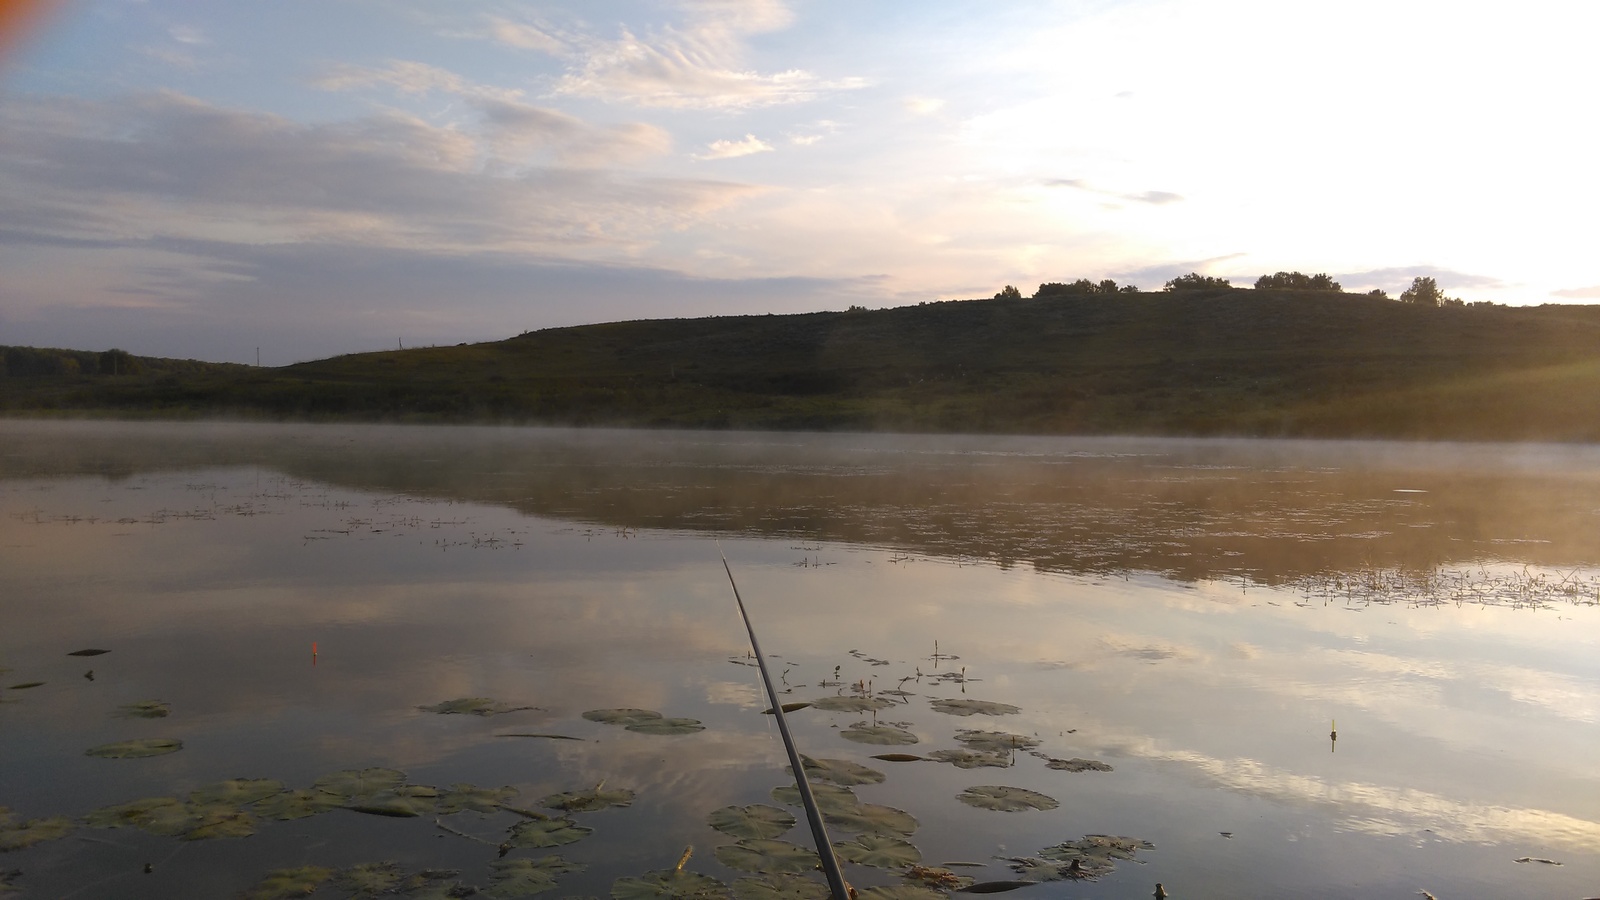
pixel 1245 362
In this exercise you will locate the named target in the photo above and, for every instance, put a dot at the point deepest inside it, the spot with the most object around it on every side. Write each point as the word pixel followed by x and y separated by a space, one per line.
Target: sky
pixel 305 178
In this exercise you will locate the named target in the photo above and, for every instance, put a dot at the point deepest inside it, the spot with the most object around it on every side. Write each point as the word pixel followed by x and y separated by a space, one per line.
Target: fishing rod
pixel 819 835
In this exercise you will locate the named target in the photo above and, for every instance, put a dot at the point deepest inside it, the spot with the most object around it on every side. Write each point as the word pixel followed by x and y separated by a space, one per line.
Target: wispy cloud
pixel 407 77
pixel 1587 293
pixel 1156 198
pixel 731 149
pixel 1402 275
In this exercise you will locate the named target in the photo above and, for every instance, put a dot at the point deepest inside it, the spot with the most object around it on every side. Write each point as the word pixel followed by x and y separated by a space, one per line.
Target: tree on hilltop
pixel 1082 287
pixel 1296 281
pixel 1194 281
pixel 1424 291
pixel 1009 292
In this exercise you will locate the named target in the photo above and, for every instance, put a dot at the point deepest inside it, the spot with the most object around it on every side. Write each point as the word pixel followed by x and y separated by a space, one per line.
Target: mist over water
pixel 1195 614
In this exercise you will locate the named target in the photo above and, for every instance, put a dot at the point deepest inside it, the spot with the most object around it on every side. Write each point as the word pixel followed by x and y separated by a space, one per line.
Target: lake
pixel 345 660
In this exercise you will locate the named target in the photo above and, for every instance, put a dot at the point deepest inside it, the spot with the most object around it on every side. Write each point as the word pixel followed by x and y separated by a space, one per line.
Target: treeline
pixel 37 362
pixel 1424 291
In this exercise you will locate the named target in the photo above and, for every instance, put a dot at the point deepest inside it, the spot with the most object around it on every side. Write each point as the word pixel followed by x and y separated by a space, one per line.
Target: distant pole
pixel 258 357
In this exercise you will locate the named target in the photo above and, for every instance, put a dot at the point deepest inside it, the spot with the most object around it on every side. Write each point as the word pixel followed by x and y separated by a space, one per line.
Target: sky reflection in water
pixel 1194 614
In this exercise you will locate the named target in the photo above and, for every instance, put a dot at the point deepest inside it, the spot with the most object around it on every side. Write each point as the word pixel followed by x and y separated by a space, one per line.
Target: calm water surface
pixel 1195 615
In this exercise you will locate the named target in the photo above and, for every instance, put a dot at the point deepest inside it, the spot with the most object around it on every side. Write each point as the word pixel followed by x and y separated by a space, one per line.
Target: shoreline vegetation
pixel 1293 357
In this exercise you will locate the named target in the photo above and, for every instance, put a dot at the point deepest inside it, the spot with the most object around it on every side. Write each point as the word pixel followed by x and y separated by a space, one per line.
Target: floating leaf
pixel 1078 765
pixel 852 704
pixel 135 749
pixel 351 783
pixel 626 716
pixel 779 887
pixel 483 800
pixel 1097 846
pixel 553 737
pixel 25 685
pixel 862 733
pixel 8 877
pixel 666 726
pixel 297 805
pixel 131 815
pixel 475 706
pixel 89 652
pixel 404 802
pixel 668 884
pixel 1036 870
pixel 756 821
pixel 996 741
pixel 146 709
pixel 935 877
pixel 1005 799
pixel 994 887
pixel 870 817
pixel 965 707
pixel 369 879
pixel 592 800
pixel 218 821
pixel 879 850
pixel 901 892
pixel 767 856
pixel 971 759
pixel 788 708
pixel 547 833
pixel 899 757
pixel 434 884
pixel 526 877
pixel 830 798
pixel 286 884
pixel 237 791
pixel 15 834
pixel 840 772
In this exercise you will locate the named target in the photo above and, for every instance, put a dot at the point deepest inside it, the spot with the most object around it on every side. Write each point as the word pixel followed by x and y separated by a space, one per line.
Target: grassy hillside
pixel 1221 362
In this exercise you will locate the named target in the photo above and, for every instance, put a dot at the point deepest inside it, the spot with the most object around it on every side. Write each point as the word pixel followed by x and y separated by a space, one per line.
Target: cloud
pixel 527 37
pixel 923 106
pixel 1165 272
pixel 731 149
pixel 1156 198
pixel 1588 293
pixel 1402 275
pixel 408 77
pixel 697 65
pixel 188 34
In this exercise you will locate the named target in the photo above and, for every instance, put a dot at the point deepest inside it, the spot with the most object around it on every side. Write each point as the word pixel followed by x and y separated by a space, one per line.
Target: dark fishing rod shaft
pixel 819 835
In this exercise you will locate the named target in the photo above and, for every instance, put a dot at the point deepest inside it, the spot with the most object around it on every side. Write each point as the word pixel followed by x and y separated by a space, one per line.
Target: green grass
pixel 1237 362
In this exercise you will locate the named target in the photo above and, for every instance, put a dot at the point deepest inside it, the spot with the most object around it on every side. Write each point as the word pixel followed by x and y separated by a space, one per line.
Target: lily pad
pixel 879 850
pixel 368 879
pixel 626 716
pixel 840 772
pixel 767 856
pixel 668 884
pixel 286 884
pixel 237 791
pixel 965 707
pixel 538 833
pixel 299 804
pixel 901 892
pixel 756 821
pixel 25 685
pixel 92 651
pixel 134 814
pixel 665 725
pixel 830 798
pixel 135 749
pixel 475 706
pixel 433 884
pixel 526 877
pixel 471 797
pixel 862 733
pixel 16 834
pixel 1001 798
pixel 351 783
pixel 787 708
pixel 899 757
pixel 1097 846
pixel 218 821
pixel 852 704
pixel 936 878
pixel 146 709
pixel 870 817
pixel 779 887
pixel 592 800
pixel 996 741
pixel 971 759
pixel 1078 765
pixel 404 802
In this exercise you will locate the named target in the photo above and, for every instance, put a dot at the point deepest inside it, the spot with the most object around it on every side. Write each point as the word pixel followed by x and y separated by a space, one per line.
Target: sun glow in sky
pixel 314 177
